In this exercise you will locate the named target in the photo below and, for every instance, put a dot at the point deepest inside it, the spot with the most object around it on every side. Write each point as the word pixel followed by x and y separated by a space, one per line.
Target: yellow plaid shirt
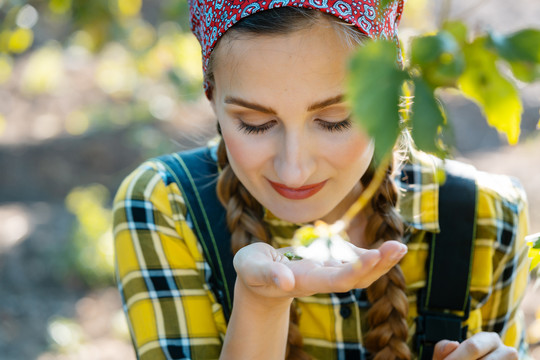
pixel 163 277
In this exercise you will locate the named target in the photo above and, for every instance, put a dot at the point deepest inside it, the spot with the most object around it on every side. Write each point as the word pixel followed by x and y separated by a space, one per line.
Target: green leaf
pixel 523 45
pixel 521 50
pixel 374 89
pixel 497 96
pixel 525 71
pixel 427 118
pixel 457 29
pixel 439 58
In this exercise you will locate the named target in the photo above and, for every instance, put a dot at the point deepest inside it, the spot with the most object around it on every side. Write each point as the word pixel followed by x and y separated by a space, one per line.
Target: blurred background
pixel 90 89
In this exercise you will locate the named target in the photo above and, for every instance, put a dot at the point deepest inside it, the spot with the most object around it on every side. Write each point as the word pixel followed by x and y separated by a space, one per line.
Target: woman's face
pixel 287 130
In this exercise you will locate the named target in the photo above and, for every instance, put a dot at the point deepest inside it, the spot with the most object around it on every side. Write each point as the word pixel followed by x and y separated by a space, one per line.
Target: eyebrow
pixel 268 110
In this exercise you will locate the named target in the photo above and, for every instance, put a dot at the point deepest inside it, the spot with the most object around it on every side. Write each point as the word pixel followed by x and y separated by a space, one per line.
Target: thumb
pixel 257 265
pixel 443 348
pixel 282 276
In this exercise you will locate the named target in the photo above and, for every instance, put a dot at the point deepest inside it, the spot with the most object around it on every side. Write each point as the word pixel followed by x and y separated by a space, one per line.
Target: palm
pixel 269 273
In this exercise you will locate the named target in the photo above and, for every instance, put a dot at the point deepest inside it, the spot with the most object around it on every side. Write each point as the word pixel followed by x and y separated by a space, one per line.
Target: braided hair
pixel 387 337
pixel 388 330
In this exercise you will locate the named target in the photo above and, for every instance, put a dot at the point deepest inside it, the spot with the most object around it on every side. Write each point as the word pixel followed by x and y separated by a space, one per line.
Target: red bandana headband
pixel 211 18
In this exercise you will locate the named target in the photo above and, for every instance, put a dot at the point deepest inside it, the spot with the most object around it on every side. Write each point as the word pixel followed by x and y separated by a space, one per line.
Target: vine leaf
pixel 521 50
pixel 374 89
pixel 439 58
pixel 457 29
pixel 427 118
pixel 497 97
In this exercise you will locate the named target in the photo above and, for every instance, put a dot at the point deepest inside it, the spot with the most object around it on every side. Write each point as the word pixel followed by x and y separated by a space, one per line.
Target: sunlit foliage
pixel 92 244
pixel 129 46
pixel 447 59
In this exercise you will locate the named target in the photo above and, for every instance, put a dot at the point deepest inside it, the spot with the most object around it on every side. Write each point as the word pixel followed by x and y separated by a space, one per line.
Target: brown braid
pixel 244 219
pixel 244 213
pixel 388 328
pixel 387 337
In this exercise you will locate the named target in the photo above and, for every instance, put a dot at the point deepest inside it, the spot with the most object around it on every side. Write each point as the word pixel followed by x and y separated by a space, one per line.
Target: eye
pixel 252 129
pixel 336 126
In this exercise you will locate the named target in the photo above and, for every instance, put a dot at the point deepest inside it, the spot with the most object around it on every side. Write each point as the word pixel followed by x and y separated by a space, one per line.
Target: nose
pixel 295 160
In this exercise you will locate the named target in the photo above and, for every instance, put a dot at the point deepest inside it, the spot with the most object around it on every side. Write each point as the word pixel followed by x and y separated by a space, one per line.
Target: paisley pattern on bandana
pixel 209 19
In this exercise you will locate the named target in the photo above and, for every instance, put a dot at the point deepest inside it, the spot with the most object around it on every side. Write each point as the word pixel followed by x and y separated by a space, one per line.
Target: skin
pixel 288 73
pixel 297 149
pixel 484 345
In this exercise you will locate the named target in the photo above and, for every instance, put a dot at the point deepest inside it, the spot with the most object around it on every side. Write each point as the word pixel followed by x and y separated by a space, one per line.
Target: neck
pixel 338 212
pixel 357 230
pixel 357 227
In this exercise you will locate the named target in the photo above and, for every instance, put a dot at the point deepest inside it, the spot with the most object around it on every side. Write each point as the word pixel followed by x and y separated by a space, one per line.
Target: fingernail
pixel 398 255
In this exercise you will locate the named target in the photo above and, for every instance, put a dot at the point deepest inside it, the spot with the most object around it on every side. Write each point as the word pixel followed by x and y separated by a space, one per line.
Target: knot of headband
pixel 210 19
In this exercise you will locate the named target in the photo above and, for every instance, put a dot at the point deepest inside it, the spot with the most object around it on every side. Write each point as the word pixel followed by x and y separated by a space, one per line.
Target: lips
pixel 300 193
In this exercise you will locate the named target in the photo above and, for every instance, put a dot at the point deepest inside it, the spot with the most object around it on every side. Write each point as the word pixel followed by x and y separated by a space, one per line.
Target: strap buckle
pixel 433 326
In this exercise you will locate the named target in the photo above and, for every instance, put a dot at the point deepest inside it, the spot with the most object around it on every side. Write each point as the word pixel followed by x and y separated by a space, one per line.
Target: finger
pixel 341 278
pixel 254 265
pixel 502 352
pixel 347 277
pixel 282 276
pixel 443 348
pixel 476 347
pixel 391 252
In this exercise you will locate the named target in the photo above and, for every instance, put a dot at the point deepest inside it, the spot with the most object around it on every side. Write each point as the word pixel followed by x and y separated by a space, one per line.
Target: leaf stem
pixel 368 193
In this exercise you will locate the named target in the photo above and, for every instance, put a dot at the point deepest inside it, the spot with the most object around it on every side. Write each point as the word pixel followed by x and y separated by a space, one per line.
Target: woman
pixel 290 154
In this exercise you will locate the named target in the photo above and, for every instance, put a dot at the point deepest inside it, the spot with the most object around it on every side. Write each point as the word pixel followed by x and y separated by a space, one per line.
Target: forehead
pixel 302 63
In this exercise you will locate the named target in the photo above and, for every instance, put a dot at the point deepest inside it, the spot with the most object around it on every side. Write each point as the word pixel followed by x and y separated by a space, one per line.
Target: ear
pixel 211 98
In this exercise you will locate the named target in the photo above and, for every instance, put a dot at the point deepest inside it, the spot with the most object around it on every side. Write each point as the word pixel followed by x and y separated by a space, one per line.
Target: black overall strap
pixel 449 262
pixel 196 174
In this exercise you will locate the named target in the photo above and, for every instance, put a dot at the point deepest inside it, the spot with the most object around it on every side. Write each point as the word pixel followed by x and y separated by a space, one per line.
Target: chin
pixel 297 216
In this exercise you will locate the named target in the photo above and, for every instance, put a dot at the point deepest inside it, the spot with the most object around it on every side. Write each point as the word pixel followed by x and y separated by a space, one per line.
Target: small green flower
pixel 292 256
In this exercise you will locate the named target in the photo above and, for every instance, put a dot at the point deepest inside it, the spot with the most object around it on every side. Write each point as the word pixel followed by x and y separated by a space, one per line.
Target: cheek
pixel 245 155
pixel 353 155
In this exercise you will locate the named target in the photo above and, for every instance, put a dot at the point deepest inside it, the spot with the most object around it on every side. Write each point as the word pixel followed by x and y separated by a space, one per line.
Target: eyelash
pixel 250 129
pixel 330 126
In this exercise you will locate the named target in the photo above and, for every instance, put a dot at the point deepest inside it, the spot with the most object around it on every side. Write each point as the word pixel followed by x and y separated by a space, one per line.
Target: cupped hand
pixel 267 272
pixel 484 345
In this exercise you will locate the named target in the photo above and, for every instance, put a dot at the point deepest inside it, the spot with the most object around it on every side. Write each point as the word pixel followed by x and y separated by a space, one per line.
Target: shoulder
pixel 500 197
pixel 154 184
pixel 141 183
pixel 501 219
pixel 501 190
pixel 162 171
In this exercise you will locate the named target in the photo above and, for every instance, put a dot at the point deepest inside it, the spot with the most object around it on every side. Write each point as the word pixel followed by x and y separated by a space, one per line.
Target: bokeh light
pixel 20 40
pixel 59 6
pixel 6 68
pixel 27 17
pixel 44 71
pixel 65 333
pixel 77 123
pixel 116 73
